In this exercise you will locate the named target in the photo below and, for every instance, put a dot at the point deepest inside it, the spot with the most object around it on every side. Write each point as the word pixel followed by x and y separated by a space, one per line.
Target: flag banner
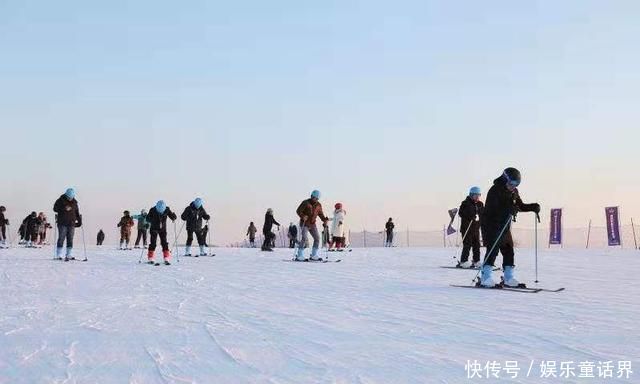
pixel 613 226
pixel 555 227
pixel 452 213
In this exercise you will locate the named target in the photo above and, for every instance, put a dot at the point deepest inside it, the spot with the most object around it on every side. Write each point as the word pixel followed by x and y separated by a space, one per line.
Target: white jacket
pixel 339 227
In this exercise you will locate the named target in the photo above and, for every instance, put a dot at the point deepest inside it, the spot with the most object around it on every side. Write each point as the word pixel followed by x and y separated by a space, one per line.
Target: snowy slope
pixel 380 316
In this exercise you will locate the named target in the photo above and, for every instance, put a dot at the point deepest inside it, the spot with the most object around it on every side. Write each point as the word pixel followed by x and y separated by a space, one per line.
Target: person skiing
pixel 43 226
pixel 251 232
pixel 68 218
pixel 292 233
pixel 143 227
pixel 269 237
pixel 4 222
pixel 125 224
pixel 31 224
pixel 194 214
pixel 389 226
pixel 100 238
pixel 470 213
pixel 309 211
pixel 157 219
pixel 502 206
pixel 338 228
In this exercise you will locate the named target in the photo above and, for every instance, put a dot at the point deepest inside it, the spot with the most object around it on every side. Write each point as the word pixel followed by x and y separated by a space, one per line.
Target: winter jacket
pixel 68 212
pixel 389 226
pixel 269 221
pixel 31 224
pixel 501 205
pixel 158 221
pixel 126 223
pixel 3 220
pixel 309 211
pixel 252 230
pixel 470 213
pixel 100 236
pixel 338 229
pixel 143 225
pixel 194 216
pixel 293 232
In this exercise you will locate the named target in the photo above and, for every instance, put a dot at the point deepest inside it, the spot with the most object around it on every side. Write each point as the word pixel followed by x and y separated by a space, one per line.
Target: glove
pixel 535 207
pixel 79 223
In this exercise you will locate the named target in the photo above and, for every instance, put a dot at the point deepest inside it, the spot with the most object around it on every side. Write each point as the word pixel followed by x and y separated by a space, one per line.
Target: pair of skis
pixel 67 259
pixel 521 288
pixel 157 264
pixel 321 261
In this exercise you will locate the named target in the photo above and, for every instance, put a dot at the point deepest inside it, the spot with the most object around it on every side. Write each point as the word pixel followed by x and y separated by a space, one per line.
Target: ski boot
pixel 300 255
pixel 314 255
pixel 202 252
pixel 486 278
pixel 465 265
pixel 166 255
pixel 509 279
pixel 150 256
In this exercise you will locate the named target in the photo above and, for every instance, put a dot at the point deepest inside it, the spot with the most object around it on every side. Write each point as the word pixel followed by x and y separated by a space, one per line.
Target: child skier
pixel 100 238
pixel 292 233
pixel 389 226
pixel 251 232
pixel 68 218
pixel 125 224
pixel 42 228
pixel 143 227
pixel 309 211
pixel 470 213
pixel 157 218
pixel 31 224
pixel 3 227
pixel 338 229
pixel 502 205
pixel 194 214
pixel 269 237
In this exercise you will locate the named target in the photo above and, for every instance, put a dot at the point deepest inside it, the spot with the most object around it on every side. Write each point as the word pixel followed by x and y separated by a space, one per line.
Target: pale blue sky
pixel 394 108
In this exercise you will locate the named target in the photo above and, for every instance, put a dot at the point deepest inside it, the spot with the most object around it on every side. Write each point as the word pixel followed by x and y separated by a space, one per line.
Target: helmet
pixel 127 213
pixel 315 194
pixel 34 214
pixel 475 191
pixel 2 208
pixel 390 219
pixel 512 176
pixel 270 211
pixel 161 206
pixel 338 205
pixel 70 193
pixel 197 203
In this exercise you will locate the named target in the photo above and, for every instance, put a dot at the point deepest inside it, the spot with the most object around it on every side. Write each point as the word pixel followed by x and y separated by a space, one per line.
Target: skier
pixel 338 229
pixel 269 237
pixel 125 224
pixel 251 232
pixel 157 218
pixel 194 214
pixel 309 211
pixel 68 218
pixel 31 224
pixel 100 238
pixel 389 226
pixel 22 234
pixel 3 227
pixel 143 226
pixel 502 205
pixel 42 228
pixel 293 235
pixel 470 213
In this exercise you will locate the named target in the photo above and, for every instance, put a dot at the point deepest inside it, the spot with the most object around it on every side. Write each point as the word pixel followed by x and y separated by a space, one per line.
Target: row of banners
pixel 555 225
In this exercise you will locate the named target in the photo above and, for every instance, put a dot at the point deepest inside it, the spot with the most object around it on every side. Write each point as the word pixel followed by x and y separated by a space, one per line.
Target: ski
pixel 501 288
pixel 466 269
pixel 312 262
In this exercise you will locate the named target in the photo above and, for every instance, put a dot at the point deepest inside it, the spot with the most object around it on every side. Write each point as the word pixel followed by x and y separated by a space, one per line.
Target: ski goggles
pixel 513 183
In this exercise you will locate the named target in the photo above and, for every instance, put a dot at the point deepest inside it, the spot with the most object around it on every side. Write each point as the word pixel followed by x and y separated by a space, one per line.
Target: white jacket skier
pixel 339 227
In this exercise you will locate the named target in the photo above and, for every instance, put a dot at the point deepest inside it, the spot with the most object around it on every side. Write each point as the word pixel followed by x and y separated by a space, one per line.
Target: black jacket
pixel 158 221
pixel 293 231
pixel 390 226
pixel 194 216
pixel 269 221
pixel 501 205
pixel 31 223
pixel 3 220
pixel 468 211
pixel 68 213
pixel 100 236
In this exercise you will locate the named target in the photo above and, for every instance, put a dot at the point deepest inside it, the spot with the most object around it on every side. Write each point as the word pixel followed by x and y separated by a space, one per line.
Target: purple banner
pixel 452 213
pixel 613 226
pixel 555 227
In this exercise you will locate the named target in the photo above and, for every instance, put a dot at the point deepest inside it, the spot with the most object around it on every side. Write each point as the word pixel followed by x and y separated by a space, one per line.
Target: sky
pixel 394 108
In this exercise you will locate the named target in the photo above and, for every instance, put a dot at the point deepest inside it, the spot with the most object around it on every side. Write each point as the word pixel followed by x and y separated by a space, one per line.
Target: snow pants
pixel 313 230
pixel 154 240
pixel 65 232
pixel 142 234
pixel 472 241
pixel 504 246
pixel 199 236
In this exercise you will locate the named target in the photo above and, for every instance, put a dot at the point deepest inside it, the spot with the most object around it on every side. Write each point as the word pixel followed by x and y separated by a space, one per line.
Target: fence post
pixel 588 234
pixel 444 236
pixel 633 228
pixel 364 237
pixel 408 237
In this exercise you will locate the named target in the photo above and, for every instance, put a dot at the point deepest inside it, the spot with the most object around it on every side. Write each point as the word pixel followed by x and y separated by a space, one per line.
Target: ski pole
pixel 535 225
pixel 10 237
pixel 209 237
pixel 463 238
pixel 175 243
pixel 84 244
pixel 493 247
pixel 55 235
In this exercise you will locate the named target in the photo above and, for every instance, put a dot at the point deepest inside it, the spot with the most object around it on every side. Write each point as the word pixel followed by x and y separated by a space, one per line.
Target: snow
pixel 380 316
